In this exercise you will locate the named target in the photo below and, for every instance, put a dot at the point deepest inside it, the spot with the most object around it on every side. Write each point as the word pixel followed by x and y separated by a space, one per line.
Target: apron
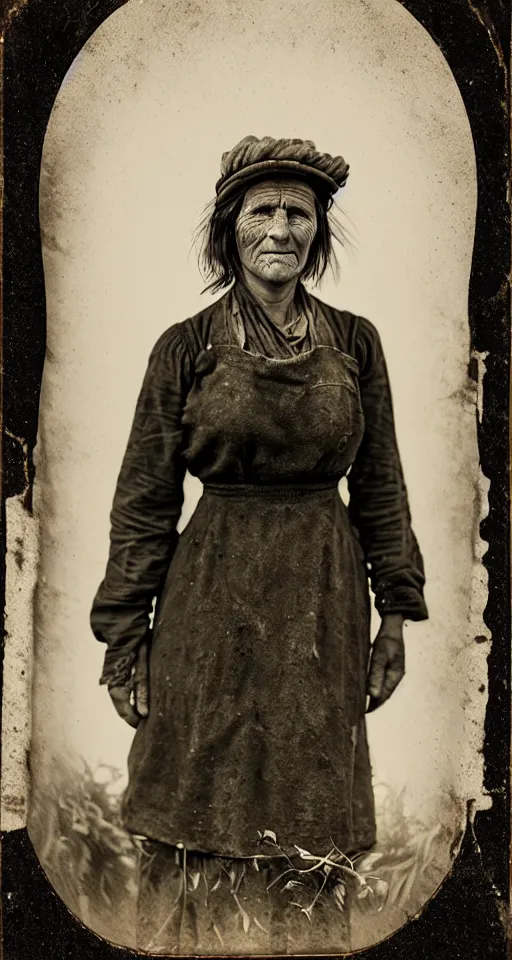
pixel 261 634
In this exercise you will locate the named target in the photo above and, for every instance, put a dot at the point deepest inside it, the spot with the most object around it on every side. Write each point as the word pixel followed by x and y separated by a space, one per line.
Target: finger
pixel 373 704
pixel 397 658
pixel 120 697
pixel 128 714
pixel 391 681
pixel 140 671
pixel 377 671
pixel 142 698
pixel 141 685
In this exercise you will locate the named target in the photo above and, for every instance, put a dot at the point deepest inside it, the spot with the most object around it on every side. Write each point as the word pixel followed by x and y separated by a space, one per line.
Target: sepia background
pixel 131 157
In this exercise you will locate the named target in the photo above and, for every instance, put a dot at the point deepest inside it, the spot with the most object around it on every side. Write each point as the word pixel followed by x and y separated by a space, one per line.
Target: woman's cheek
pixel 307 234
pixel 304 236
pixel 249 237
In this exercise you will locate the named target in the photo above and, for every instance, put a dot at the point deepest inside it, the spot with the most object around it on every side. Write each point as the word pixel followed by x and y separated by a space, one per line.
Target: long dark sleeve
pixel 146 508
pixel 379 507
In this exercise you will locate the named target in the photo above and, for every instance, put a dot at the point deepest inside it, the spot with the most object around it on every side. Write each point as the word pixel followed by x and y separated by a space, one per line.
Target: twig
pixel 344 855
pixel 281 851
pixel 239 879
pixel 317 895
pixel 184 907
pixel 320 862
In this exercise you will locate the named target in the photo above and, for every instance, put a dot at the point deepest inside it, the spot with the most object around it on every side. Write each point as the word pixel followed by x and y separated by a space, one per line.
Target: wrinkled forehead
pixel 279 193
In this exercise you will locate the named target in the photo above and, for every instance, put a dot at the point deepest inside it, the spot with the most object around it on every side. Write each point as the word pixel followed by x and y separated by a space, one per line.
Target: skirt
pixel 257 685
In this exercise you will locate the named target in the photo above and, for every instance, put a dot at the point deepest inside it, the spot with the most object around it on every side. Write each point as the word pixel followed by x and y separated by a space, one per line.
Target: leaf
pixel 365 865
pixel 84 908
pixel 429 840
pixel 218 934
pixel 402 865
pixel 103 888
pixel 105 774
pixel 270 835
pixel 340 893
pixel 195 878
pixel 363 893
pixel 381 889
pixel 259 925
pixel 80 827
pixel 408 886
pixel 395 888
pixel 305 854
pixel 246 920
pixel 93 810
pixel 216 885
pixel 292 884
pixel 240 877
pixel 132 888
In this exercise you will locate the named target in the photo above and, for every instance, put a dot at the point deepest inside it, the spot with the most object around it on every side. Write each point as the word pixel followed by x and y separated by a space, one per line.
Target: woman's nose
pixel 279 228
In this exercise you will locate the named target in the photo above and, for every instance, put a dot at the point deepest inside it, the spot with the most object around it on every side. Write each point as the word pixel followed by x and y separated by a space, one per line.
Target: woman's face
pixel 275 229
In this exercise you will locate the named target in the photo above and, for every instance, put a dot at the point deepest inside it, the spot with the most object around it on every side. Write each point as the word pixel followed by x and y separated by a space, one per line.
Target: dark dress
pixel 261 636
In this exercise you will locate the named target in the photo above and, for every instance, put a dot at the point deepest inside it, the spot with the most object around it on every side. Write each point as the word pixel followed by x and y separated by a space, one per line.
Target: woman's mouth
pixel 279 255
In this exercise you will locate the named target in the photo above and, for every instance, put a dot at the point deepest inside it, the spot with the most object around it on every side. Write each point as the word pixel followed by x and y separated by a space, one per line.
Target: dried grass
pixel 86 854
pixel 91 862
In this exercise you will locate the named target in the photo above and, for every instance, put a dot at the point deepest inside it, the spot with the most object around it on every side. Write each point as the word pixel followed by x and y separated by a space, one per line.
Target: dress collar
pixel 245 310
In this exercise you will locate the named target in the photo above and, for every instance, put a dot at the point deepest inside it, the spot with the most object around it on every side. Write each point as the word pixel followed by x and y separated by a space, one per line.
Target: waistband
pixel 272 491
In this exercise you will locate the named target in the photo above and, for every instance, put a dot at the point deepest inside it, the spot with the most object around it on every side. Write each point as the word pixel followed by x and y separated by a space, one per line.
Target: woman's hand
pixel 387 661
pixel 132 699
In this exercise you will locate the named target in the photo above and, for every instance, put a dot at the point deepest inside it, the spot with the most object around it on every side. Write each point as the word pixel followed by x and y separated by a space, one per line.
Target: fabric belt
pixel 273 491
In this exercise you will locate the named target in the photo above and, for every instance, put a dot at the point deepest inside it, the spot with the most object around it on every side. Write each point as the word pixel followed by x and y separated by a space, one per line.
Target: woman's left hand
pixel 387 661
pixel 131 699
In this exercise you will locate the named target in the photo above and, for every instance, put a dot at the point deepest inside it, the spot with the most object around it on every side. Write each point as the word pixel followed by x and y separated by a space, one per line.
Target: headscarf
pixel 254 159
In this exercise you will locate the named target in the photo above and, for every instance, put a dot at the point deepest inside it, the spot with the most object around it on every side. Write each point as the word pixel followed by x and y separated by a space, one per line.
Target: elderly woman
pixel 252 748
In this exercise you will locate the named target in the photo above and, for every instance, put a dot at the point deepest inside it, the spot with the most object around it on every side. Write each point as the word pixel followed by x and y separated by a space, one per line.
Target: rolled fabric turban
pixel 254 159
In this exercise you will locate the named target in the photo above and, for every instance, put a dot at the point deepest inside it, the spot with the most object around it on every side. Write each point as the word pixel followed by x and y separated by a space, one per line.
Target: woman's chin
pixel 279 273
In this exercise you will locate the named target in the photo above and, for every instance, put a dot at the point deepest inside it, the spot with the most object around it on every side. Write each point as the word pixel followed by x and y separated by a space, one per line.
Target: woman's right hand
pixel 131 700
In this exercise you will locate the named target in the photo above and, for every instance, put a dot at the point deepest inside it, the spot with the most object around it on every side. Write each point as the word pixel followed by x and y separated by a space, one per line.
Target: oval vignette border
pixel 470 914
